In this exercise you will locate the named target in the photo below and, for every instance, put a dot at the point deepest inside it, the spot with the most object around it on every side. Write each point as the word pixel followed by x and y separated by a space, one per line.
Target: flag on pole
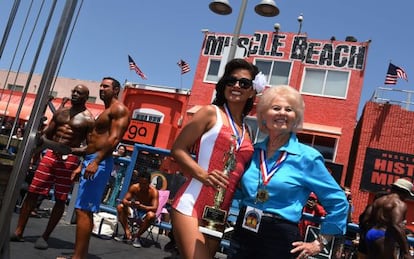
pixel 133 66
pixel 185 67
pixel 393 74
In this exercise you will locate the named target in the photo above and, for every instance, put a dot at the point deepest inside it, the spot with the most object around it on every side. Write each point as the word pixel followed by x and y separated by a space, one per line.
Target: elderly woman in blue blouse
pixel 276 185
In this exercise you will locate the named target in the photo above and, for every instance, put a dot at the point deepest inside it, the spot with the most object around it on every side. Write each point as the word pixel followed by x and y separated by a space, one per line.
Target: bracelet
pixel 323 241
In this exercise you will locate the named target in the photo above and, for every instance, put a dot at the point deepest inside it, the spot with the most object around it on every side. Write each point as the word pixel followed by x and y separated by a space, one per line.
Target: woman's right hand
pixel 216 179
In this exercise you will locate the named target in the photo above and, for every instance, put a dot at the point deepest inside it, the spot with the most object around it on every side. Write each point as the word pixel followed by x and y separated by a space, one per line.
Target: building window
pixel 16 88
pixel 213 70
pixel 330 83
pixel 255 133
pixel 53 93
pixel 149 115
pixel 91 99
pixel 276 72
pixel 325 145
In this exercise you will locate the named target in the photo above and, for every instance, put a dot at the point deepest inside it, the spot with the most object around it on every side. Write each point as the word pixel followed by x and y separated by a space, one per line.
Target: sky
pixel 158 34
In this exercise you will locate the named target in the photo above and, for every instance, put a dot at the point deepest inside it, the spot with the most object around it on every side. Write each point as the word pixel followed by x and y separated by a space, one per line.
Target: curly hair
pixel 232 65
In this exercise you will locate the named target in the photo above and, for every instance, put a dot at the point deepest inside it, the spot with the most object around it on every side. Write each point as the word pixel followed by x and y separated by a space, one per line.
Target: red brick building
pixel 329 74
pixel 382 151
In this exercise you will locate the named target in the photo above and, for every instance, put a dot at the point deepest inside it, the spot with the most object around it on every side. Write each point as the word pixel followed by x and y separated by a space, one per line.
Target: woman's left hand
pixel 306 249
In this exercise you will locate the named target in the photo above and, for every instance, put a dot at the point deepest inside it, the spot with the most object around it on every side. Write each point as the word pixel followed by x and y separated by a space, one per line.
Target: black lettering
pixel 275 45
pixel 357 57
pixel 254 44
pixel 339 59
pixel 311 51
pixel 262 47
pixel 299 46
pixel 326 55
pixel 214 45
pixel 142 132
pixel 244 44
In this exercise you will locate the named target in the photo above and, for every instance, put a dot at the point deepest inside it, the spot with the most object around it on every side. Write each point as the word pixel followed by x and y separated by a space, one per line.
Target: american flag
pixel 185 67
pixel 393 74
pixel 133 66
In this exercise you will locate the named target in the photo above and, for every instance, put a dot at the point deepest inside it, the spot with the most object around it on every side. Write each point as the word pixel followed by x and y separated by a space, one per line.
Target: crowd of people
pixel 275 180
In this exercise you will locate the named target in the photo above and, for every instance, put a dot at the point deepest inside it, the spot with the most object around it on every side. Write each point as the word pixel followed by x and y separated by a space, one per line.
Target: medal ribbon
pixel 234 128
pixel 266 173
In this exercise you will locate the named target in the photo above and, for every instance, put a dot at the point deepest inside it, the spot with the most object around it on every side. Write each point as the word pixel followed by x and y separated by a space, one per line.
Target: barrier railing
pixel 132 165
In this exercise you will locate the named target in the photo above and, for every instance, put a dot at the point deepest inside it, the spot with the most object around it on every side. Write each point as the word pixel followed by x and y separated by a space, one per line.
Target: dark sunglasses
pixel 243 82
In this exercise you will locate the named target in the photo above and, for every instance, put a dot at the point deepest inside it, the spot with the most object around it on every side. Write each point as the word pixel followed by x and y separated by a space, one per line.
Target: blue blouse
pixel 302 172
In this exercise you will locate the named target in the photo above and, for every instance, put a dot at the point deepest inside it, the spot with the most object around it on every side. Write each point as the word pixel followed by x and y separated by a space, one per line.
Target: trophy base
pixel 211 232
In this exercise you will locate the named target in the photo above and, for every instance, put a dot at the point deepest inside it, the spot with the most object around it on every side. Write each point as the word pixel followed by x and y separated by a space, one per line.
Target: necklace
pixel 266 174
pixel 239 139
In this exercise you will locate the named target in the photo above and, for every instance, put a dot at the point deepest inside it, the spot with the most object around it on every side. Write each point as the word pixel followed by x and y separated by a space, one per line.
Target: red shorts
pixel 53 170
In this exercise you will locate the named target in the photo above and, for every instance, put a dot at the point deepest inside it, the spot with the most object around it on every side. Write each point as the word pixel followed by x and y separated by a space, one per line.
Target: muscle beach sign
pixel 382 168
pixel 339 54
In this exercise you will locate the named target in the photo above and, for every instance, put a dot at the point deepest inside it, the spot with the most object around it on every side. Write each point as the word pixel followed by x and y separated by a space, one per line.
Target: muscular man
pixel 68 127
pixel 365 225
pixel 142 199
pixel 388 214
pixel 95 171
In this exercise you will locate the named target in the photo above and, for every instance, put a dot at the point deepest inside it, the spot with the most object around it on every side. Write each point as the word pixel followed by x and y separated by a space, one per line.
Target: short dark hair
pixel 145 174
pixel 115 83
pixel 232 65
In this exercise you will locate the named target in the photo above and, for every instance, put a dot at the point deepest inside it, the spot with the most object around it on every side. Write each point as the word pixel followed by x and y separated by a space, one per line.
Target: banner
pixel 382 168
pixel 143 132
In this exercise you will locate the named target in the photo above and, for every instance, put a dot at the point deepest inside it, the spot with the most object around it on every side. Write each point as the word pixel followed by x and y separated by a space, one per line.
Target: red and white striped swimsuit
pixel 193 196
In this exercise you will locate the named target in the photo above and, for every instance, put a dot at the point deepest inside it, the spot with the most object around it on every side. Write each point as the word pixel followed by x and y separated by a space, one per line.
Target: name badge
pixel 252 218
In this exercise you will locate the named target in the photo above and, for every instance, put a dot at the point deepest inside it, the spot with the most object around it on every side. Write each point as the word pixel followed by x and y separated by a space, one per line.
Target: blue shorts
pixel 91 191
pixel 139 214
pixel 373 235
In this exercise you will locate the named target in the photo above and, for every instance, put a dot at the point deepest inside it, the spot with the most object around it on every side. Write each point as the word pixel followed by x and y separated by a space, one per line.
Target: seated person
pixel 142 198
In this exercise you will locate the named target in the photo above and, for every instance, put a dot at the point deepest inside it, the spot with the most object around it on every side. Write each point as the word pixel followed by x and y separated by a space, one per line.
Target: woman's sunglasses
pixel 243 82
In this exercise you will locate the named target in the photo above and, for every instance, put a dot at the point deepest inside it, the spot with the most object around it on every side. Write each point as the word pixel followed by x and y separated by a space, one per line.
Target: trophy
pixel 214 216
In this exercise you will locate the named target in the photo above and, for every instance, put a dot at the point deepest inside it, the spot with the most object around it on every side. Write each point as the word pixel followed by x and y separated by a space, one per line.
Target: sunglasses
pixel 244 83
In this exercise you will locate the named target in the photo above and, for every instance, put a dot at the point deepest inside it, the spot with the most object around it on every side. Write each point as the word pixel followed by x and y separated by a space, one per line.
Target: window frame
pixel 269 75
pixel 324 87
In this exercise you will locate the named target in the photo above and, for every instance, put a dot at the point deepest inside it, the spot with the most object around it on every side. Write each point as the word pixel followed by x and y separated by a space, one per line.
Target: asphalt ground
pixel 62 241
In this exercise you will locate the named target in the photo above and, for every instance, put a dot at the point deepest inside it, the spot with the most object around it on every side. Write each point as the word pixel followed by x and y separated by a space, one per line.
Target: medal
pixel 266 174
pixel 262 195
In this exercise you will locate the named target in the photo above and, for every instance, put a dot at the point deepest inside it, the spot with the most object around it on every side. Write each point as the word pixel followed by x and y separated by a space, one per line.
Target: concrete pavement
pixel 62 240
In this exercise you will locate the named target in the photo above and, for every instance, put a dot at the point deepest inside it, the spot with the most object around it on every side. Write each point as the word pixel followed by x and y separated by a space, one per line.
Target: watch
pixel 323 240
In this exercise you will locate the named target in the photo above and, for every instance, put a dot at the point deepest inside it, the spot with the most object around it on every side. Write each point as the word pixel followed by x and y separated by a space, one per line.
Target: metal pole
pixel 236 33
pixel 9 25
pixel 29 141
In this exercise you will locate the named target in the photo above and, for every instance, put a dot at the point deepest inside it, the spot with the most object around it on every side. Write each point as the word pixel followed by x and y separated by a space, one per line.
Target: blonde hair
pixel 293 97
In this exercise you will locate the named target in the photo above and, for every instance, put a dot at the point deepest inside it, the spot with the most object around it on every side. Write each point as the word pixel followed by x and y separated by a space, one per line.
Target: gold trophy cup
pixel 214 216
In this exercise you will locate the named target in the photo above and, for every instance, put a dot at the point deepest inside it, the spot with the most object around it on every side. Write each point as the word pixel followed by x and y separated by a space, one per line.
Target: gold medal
pixel 262 195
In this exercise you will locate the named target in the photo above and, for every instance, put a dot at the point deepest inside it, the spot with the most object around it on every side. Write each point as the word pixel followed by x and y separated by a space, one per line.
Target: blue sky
pixel 158 35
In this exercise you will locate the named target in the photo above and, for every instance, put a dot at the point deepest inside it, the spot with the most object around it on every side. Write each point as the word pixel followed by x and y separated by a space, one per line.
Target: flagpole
pixel 386 72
